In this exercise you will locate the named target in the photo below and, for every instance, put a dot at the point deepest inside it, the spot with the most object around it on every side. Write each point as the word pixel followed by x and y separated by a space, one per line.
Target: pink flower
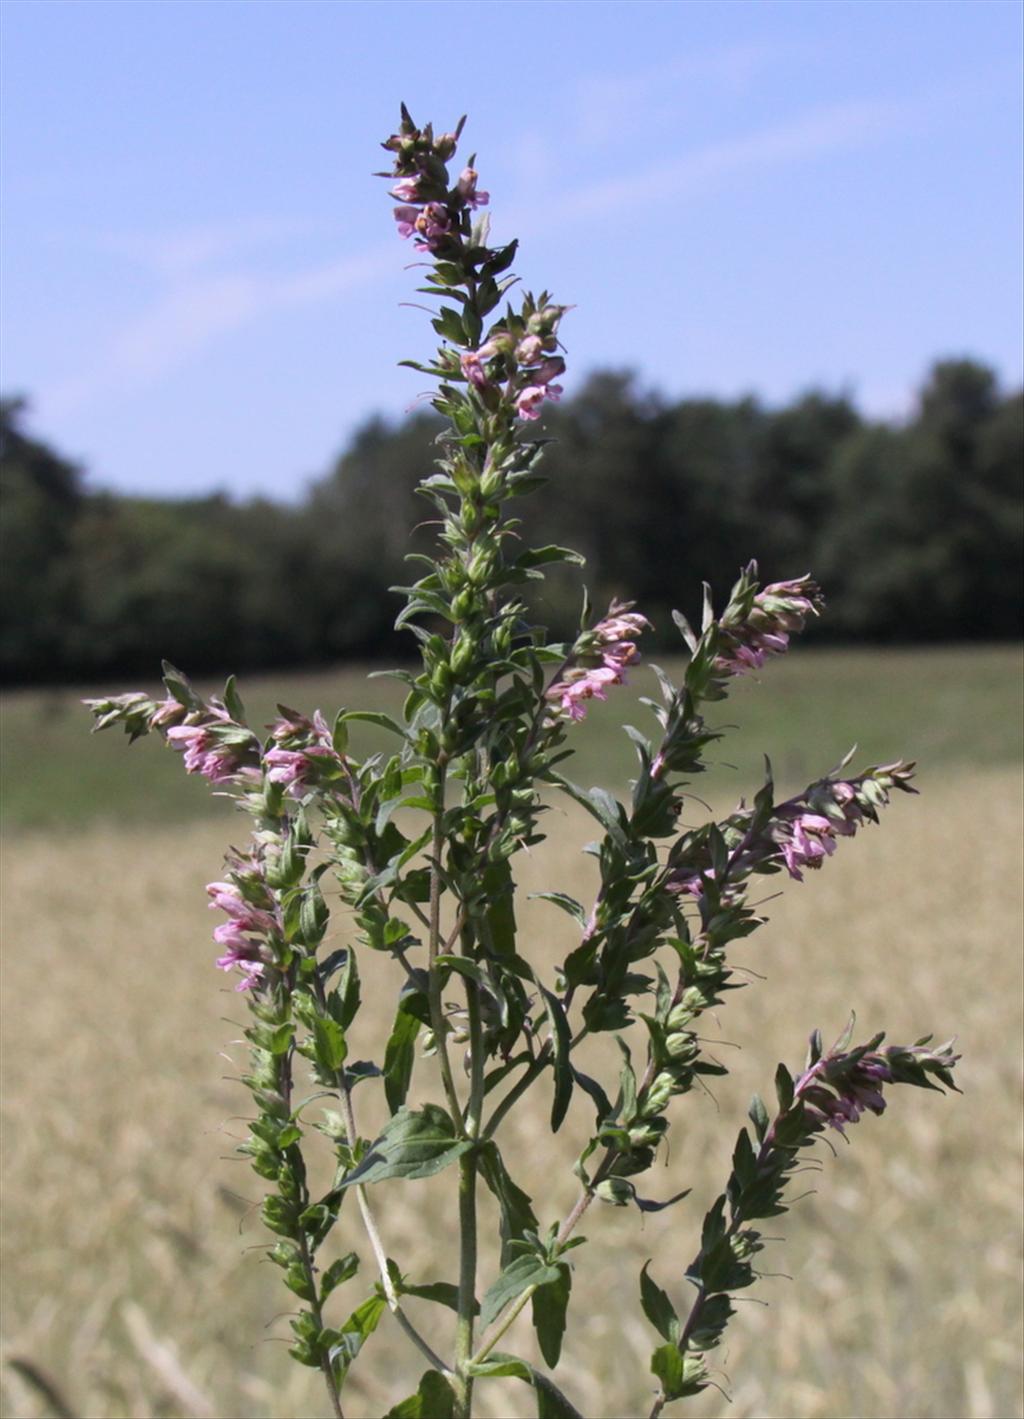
pixel 467 189
pixel 532 397
pixel 303 753
pixel 837 1101
pixel 169 711
pixel 529 350
pixel 406 189
pixel 583 682
pixel 472 363
pixel 406 217
pixel 240 934
pixel 579 685
pixel 433 225
pixel 549 370
pixel 251 968
pixel 284 765
pixel 204 754
pixel 618 626
pixel 748 636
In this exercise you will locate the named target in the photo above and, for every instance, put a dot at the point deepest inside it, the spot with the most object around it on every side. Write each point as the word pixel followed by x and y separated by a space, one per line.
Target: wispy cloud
pixel 199 307
pixel 820 131
pixel 199 310
pixel 605 105
pixel 184 250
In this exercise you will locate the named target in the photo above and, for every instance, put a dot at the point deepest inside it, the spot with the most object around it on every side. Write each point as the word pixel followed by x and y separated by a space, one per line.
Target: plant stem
pixel 580 1206
pixel 314 1308
pixel 437 1020
pixel 467 1196
pixel 330 1379
pixel 377 1246
pixel 467 1285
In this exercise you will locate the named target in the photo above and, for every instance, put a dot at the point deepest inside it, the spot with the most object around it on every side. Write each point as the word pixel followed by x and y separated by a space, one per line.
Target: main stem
pixel 467 1200
pixel 437 1020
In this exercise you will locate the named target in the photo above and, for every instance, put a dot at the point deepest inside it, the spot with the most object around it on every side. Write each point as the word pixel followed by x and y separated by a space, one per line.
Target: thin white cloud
pixel 199 308
pixel 607 104
pixel 182 251
pixel 823 130
pixel 196 312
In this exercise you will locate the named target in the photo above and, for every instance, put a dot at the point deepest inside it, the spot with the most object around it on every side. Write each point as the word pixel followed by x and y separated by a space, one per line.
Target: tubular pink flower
pixel 406 217
pixel 467 189
pixel 551 369
pixel 168 712
pixel 406 189
pixel 433 225
pixel 251 968
pixel 204 754
pixel 530 399
pixel 529 350
pixel 472 363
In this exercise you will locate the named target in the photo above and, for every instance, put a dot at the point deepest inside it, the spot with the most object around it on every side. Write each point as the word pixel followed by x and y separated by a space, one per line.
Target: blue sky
pixel 202 286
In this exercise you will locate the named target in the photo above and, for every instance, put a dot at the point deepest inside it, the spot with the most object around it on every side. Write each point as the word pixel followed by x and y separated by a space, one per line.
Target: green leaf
pixel 517 1215
pixel 550 1303
pixel 338 1273
pixel 545 556
pixel 350 1339
pixel 434 1399
pixel 383 721
pixel 563 900
pixel 313 914
pixel 500 918
pixel 399 1058
pixel 233 701
pixel 598 802
pixel 413 1145
pixel 758 1117
pixel 561 1043
pixel 551 1402
pixel 329 1044
pixel 443 1293
pixel 658 1309
pixel 784 1087
pixel 524 1271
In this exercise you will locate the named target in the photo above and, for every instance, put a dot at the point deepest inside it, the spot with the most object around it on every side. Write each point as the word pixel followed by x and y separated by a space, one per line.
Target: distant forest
pixel 914 531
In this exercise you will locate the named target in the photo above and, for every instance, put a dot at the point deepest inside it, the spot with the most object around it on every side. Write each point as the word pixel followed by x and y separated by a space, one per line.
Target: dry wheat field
pixel 133 1284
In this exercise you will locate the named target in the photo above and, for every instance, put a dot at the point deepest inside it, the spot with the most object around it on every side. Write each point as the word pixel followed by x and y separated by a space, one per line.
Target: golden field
pixel 133 1280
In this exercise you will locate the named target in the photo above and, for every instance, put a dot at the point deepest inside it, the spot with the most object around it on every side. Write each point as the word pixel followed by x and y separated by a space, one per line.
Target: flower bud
pixel 618 1191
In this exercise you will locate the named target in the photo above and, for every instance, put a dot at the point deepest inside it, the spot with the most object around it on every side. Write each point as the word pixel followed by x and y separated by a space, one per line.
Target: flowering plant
pixel 419 846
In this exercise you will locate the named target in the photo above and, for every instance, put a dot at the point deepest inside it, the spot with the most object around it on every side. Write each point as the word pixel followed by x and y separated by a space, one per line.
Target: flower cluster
pixel 837 1088
pixel 303 755
pixel 798 834
pixel 530 362
pixel 605 651
pixel 806 831
pixel 252 922
pixel 749 633
pixel 212 743
pixel 429 210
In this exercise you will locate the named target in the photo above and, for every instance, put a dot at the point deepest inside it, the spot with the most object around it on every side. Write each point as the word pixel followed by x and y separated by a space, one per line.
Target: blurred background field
pixel 132 1275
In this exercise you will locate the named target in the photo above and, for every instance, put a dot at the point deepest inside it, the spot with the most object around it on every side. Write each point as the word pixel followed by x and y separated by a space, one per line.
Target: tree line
pixel 914 530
